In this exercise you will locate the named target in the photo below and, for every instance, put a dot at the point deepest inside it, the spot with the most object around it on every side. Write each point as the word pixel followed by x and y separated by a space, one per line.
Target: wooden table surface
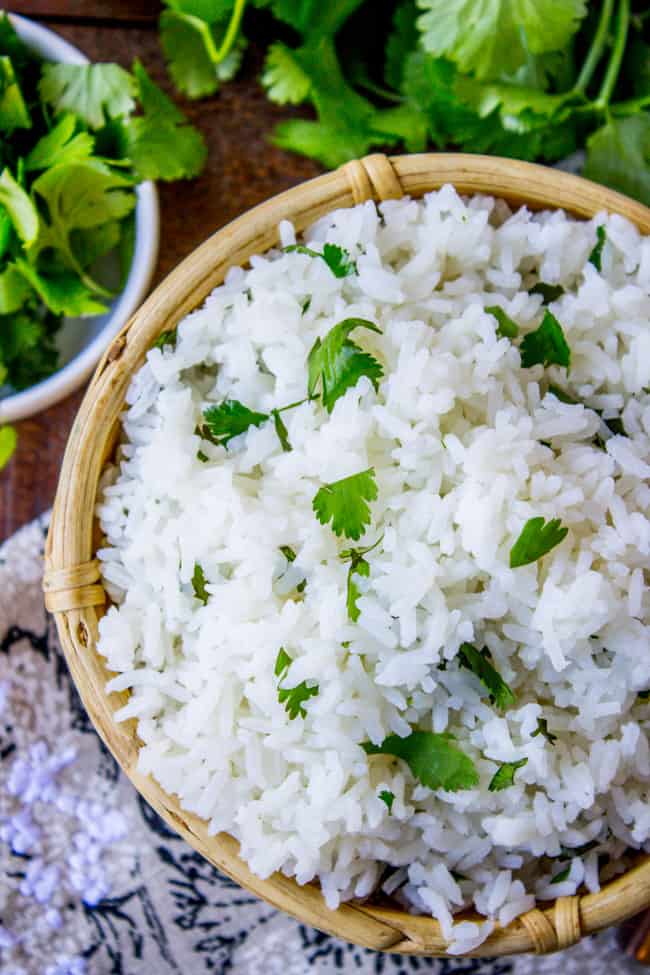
pixel 242 169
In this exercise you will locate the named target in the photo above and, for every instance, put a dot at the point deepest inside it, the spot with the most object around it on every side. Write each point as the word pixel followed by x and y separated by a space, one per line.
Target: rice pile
pixel 467 445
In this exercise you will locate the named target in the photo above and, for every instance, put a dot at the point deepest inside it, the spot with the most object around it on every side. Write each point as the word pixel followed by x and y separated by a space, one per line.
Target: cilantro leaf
pixel 345 503
pixel 293 698
pixel 14 290
pixel 14 113
pixel 19 206
pixel 562 875
pixel 168 337
pixel 228 420
pixel 63 293
pixel 198 584
pixel 402 39
pixel 432 758
pixel 546 345
pixel 504 776
pixel 493 38
pixel 281 431
pixel 284 78
pixel 8 441
pixel 60 145
pixel 194 61
pixel 358 566
pixel 596 256
pixel 337 363
pixel 569 852
pixel 618 155
pixel 388 797
pixel 542 729
pixel 161 143
pixel 506 328
pixel 337 258
pixel 549 292
pixel 536 539
pixel 94 93
pixel 479 663
pixel 288 553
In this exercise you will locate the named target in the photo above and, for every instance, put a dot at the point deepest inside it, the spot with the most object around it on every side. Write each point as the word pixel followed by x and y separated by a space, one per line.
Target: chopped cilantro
pixel 562 875
pixel 358 566
pixel 596 256
pixel 336 363
pixel 95 93
pixel 228 420
pixel 288 553
pixel 479 663
pixel 506 327
pixel 568 852
pixel 293 698
pixel 345 503
pixel 546 345
pixel 549 292
pixel 198 584
pixel 281 431
pixel 542 729
pixel 168 337
pixel 433 758
pixel 536 539
pixel 504 777
pixel 388 797
pixel 202 457
pixel 8 440
pixel 337 258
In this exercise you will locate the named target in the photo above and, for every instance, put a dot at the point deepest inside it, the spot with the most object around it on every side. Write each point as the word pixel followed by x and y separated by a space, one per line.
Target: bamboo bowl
pixel 73 591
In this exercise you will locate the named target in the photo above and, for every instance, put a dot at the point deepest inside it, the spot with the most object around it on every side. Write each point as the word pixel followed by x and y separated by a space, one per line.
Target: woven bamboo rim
pixel 73 590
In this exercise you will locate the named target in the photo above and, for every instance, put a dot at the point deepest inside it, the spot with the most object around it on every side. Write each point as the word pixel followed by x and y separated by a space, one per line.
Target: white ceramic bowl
pixel 81 341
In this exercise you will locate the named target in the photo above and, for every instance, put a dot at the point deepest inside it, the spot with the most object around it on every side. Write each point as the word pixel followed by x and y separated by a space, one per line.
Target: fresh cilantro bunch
pixel 529 80
pixel 74 142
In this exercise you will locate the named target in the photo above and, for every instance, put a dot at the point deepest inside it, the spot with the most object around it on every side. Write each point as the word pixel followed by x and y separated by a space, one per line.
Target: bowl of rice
pixel 349 556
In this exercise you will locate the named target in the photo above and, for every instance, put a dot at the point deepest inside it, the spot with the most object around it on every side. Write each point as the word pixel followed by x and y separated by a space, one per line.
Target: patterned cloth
pixel 92 882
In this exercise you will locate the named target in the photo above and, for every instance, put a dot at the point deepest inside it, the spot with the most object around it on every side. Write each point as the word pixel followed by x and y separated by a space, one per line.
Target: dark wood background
pixel 242 169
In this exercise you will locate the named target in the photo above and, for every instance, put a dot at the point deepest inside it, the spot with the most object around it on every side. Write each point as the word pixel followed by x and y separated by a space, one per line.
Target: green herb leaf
pixel 63 292
pixel 14 113
pixel 536 539
pixel 569 852
pixel 546 345
pixel 165 338
pixel 288 553
pixel 542 729
pixel 549 292
pixel 506 328
pixel 8 441
pixel 293 698
pixel 479 663
pixel 358 566
pixel 61 145
pixel 191 52
pixel 388 797
pixel 337 258
pixel 228 420
pixel 337 363
pixel 504 777
pixel 94 93
pixel 432 758
pixel 14 290
pixel 198 584
pixel 345 503
pixel 161 143
pixel 284 78
pixel 596 256
pixel 495 38
pixel 281 431
pixel 562 875
pixel 19 206
pixel 618 155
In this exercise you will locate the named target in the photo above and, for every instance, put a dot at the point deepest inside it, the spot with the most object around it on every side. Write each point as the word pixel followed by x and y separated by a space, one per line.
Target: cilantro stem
pixel 616 59
pixel 385 93
pixel 231 32
pixel 631 106
pixel 596 49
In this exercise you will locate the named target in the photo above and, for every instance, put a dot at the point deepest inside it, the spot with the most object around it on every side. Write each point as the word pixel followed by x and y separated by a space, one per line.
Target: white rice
pixel 455 436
